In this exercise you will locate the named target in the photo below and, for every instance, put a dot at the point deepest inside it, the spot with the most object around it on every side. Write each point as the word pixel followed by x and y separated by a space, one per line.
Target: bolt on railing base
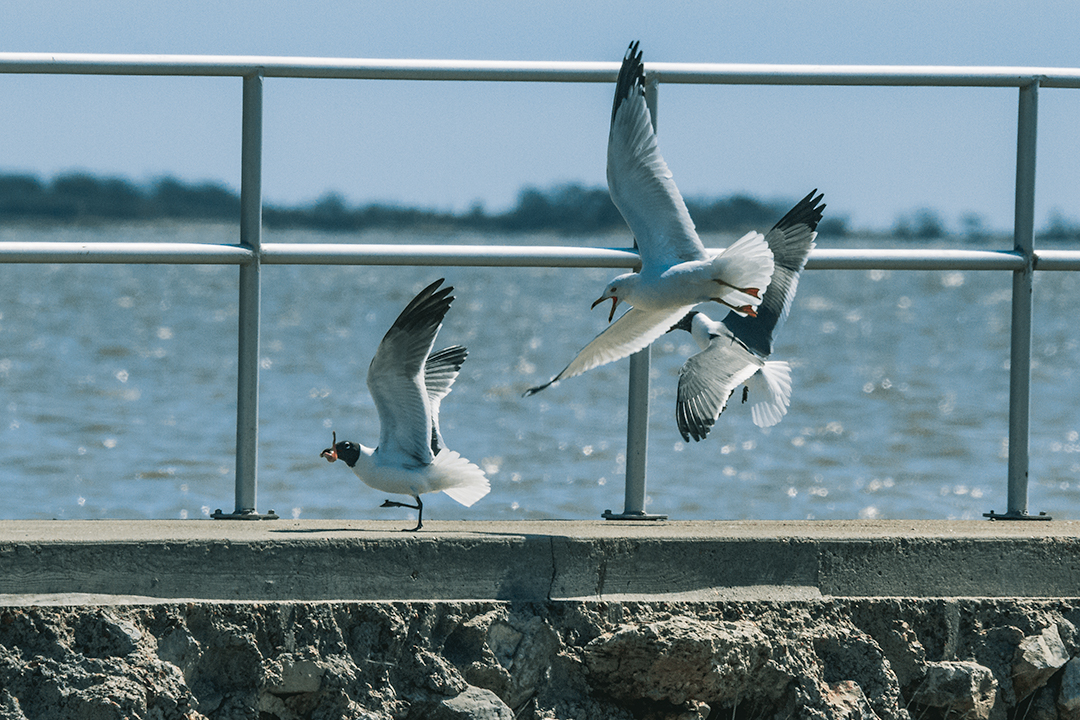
pixel 244 515
pixel 608 515
pixel 1016 516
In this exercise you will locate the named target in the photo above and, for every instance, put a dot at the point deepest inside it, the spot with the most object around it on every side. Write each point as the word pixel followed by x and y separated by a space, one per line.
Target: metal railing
pixel 250 253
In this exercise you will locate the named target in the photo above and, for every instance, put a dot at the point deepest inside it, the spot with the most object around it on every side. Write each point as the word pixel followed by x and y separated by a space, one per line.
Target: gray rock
pixel 291 676
pixel 9 707
pixel 472 704
pixel 103 635
pixel 683 659
pixel 907 656
pixel 178 647
pixel 1068 700
pixel 845 700
pixel 968 688
pixel 826 658
pixel 1036 659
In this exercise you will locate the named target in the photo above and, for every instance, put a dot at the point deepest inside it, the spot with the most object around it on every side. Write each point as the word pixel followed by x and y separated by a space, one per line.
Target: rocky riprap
pixel 829 658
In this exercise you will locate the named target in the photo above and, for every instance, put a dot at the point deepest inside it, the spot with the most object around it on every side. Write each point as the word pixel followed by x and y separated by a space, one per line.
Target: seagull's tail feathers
pixel 747 263
pixel 772 386
pixel 469 483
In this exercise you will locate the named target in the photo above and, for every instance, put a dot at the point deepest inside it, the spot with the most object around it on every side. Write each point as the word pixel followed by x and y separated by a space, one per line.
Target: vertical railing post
pixel 247 370
pixel 1020 357
pixel 637 411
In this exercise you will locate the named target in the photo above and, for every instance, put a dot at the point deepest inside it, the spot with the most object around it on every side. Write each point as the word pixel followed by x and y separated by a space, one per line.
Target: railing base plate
pixel 1016 516
pixel 244 515
pixel 608 515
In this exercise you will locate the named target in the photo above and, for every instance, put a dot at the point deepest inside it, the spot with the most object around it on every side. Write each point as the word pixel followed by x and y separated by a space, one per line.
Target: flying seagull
pixel 734 351
pixel 677 272
pixel 408 383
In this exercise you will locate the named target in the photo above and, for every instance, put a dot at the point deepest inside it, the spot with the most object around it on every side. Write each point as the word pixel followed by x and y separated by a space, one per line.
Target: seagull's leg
pixel 419 514
pixel 418 507
pixel 744 309
pixel 752 292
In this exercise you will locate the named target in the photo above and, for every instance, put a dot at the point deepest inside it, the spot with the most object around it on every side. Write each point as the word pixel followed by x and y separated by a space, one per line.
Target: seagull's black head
pixel 346 451
pixel 685 323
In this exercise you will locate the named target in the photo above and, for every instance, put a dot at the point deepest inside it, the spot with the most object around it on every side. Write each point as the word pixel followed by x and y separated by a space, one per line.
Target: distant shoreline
pixel 569 209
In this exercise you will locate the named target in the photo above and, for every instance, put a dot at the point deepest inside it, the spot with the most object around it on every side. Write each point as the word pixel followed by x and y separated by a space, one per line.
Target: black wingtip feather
pixel 631 77
pixel 533 390
pixel 428 308
pixel 806 211
pixel 692 422
pixel 686 323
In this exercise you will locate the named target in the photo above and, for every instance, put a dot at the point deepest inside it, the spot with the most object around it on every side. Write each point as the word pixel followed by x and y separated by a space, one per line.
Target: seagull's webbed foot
pixel 418 507
pixel 744 309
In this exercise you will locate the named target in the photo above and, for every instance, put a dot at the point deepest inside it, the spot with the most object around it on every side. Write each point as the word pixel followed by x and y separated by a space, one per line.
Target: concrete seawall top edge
pixel 43 531
pixel 316 560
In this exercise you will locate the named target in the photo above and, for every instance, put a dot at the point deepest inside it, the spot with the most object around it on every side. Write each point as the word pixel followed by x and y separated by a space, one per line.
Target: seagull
pixel 734 351
pixel 677 272
pixel 408 382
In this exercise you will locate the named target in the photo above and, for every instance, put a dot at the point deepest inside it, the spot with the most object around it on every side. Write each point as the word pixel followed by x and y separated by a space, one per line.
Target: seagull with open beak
pixel 677 271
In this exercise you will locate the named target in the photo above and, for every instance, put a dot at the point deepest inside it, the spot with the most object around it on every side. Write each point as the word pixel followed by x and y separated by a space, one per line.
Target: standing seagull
pixel 734 350
pixel 408 383
pixel 677 272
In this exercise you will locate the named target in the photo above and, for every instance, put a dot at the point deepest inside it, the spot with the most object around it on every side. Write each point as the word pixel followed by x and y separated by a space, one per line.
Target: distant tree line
pixel 570 209
pixel 566 209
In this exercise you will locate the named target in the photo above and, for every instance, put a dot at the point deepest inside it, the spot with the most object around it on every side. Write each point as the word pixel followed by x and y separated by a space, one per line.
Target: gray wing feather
pixel 440 371
pixel 396 375
pixel 639 181
pixel 707 380
pixel 791 241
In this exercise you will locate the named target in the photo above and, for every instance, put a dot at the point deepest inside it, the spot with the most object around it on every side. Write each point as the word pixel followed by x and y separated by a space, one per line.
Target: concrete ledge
pixel 311 560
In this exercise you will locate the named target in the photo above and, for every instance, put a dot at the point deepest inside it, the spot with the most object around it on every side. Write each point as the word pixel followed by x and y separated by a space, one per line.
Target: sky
pixel 876 153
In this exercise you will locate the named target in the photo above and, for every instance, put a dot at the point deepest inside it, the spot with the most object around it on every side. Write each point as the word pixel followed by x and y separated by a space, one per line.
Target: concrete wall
pixel 353 560
pixel 284 620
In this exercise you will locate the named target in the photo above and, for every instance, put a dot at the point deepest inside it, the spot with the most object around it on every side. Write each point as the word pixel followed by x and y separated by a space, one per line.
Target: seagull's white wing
pixel 639 181
pixel 635 330
pixel 396 376
pixel 706 382
pixel 440 371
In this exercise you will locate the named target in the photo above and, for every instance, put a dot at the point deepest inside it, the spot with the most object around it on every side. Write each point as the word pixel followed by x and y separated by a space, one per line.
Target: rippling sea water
pixel 117 391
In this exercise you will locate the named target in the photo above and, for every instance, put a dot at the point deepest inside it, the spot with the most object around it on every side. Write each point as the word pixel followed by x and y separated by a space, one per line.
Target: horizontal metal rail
pixel 165 253
pixel 250 254
pixel 533 71
pixel 169 253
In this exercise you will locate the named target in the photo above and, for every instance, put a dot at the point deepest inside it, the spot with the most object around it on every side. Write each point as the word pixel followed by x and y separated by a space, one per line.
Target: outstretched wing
pixel 707 380
pixel 635 330
pixel 639 181
pixel 791 241
pixel 396 375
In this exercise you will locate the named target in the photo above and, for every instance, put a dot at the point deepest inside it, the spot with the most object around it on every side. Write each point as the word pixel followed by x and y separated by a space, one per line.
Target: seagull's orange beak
pixel 330 453
pixel 614 304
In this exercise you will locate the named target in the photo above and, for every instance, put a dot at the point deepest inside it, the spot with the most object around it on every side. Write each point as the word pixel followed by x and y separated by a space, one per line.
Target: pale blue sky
pixel 875 152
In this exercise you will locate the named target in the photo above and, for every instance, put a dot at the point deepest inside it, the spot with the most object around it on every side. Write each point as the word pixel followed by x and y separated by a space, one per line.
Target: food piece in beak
pixel 330 453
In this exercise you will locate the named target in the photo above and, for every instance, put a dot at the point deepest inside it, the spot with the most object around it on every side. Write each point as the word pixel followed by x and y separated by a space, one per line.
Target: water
pixel 117 392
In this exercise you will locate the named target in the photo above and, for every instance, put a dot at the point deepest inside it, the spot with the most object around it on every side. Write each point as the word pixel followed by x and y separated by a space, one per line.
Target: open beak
pixel 614 303
pixel 330 453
